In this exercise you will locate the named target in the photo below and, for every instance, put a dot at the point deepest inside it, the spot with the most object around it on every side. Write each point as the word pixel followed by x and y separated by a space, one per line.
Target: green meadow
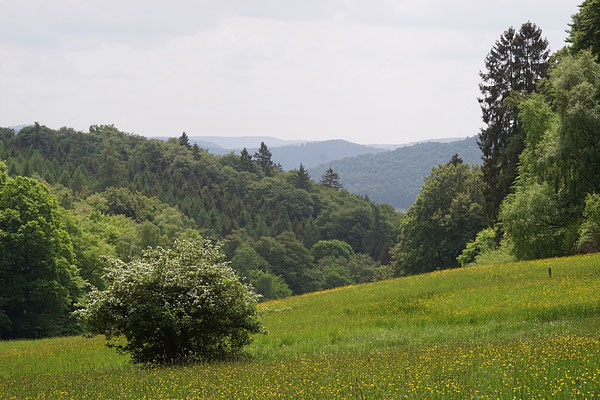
pixel 501 331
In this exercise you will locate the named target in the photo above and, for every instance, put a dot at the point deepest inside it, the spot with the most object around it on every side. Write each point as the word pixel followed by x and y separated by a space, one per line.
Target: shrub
pixel 483 242
pixel 589 232
pixel 269 286
pixel 174 305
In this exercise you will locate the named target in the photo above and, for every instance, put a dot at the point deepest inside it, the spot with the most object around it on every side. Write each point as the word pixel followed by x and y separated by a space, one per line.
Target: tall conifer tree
pixel 585 28
pixel 263 158
pixel 184 140
pixel 246 161
pixel 331 179
pixel 301 178
pixel 516 63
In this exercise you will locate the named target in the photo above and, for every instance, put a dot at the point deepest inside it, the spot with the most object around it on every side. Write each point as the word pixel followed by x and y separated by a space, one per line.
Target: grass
pixel 501 331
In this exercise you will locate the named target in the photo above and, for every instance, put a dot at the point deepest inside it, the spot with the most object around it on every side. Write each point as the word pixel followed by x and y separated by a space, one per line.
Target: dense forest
pixel 70 199
pixel 114 194
pixel 395 177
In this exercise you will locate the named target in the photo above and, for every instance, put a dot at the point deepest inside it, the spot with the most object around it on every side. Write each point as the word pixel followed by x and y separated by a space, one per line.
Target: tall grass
pixel 499 331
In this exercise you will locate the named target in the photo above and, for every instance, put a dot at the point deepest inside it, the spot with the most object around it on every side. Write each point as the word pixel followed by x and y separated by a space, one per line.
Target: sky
pixel 367 71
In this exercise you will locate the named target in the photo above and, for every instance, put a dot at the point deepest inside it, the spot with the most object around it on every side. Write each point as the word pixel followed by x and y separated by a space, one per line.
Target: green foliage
pixel 38 281
pixel 331 248
pixel 447 214
pixel 174 305
pixel 516 63
pixel 560 163
pixel 269 286
pixel 533 219
pixel 245 260
pixel 395 177
pixel 331 180
pixel 128 192
pixel 3 173
pixel 288 258
pixel 263 159
pixel 502 254
pixel 589 231
pixel 300 178
pixel 483 242
pixel 585 28
pixel 246 161
pixel 184 140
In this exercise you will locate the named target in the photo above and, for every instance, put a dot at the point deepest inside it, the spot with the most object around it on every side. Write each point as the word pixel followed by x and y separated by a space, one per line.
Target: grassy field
pixel 507 331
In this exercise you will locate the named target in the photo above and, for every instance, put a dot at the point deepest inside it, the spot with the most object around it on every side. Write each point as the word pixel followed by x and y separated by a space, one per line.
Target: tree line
pixel 537 193
pixel 113 194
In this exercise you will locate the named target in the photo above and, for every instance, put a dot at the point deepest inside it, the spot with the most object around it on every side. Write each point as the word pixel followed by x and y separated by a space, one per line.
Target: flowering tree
pixel 173 305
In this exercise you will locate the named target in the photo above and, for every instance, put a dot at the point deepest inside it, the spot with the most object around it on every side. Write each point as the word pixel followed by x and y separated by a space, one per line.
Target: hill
pixel 500 331
pixel 314 153
pixel 395 177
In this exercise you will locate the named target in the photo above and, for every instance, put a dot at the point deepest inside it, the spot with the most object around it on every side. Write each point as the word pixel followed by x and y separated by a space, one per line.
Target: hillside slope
pixel 501 331
pixel 395 177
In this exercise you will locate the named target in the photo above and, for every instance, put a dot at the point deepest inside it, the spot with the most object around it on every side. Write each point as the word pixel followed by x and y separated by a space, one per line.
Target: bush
pixel 589 232
pixel 174 305
pixel 269 286
pixel 484 241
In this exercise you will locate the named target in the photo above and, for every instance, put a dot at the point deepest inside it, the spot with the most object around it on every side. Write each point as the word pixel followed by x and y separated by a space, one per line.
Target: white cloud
pixel 381 71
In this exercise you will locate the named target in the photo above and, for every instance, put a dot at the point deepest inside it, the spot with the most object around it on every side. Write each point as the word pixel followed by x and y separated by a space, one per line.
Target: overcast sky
pixel 368 71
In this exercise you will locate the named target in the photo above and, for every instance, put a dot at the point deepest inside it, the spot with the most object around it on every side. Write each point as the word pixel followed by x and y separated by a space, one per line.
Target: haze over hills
pixel 288 153
pixel 395 177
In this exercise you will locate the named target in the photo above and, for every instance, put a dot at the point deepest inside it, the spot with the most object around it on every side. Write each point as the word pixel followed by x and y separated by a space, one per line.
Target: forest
pixel 70 201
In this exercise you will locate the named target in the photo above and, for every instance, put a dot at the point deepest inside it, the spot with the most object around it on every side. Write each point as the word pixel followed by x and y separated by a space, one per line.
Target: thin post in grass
pixel 550 272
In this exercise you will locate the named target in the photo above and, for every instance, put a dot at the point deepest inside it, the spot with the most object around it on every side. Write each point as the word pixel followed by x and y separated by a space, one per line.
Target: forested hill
pixel 315 153
pixel 273 217
pixel 395 177
pixel 289 156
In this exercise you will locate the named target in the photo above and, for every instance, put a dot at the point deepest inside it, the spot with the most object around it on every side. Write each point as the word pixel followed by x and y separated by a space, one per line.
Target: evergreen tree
pixel 585 28
pixel 184 140
pixel 300 178
pixel 263 158
pixel 196 151
pixel 455 160
pixel 78 182
pixel 331 180
pixel 246 161
pixel 516 63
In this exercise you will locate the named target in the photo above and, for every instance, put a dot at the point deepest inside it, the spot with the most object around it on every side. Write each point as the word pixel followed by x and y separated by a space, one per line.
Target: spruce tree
pixel 246 161
pixel 301 178
pixel 585 28
pixel 516 63
pixel 184 140
pixel 263 158
pixel 331 179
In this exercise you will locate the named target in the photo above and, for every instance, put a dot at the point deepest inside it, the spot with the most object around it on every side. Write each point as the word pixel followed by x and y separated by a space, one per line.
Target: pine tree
pixel 300 178
pixel 331 179
pixel 263 158
pixel 184 140
pixel 246 161
pixel 516 63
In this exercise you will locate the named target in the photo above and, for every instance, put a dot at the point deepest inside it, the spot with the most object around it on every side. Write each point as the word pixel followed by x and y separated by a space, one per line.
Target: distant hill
pixel 239 142
pixel 395 177
pixel 314 153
